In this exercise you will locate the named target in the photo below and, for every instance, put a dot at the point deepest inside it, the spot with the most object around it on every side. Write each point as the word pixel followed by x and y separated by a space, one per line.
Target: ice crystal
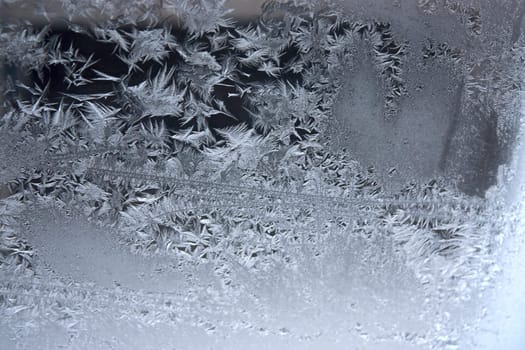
pixel 153 44
pixel 157 96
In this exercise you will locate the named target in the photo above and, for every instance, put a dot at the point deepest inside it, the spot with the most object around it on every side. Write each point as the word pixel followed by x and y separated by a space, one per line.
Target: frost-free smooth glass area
pixel 297 175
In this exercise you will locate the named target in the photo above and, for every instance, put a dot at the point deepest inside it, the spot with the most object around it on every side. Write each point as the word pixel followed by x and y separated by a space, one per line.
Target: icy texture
pixel 307 180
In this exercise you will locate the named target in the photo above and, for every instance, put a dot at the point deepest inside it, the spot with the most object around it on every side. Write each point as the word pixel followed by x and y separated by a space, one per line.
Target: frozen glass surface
pixel 209 174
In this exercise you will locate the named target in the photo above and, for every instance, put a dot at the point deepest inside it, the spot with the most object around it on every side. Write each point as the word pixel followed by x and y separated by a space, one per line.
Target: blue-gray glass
pixel 212 174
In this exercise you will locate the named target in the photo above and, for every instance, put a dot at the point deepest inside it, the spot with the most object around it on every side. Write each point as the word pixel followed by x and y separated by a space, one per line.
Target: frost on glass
pixel 338 175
